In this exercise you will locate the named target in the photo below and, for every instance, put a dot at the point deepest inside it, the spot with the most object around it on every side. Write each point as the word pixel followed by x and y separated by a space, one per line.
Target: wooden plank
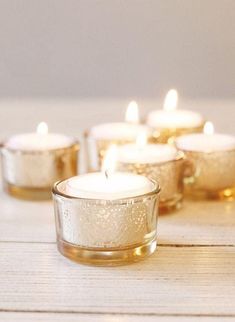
pixel 26 221
pixel 198 223
pixel 74 317
pixel 175 280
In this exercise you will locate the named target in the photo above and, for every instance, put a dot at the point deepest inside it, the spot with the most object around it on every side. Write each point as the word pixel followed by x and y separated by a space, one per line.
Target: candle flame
pixel 171 100
pixel 132 113
pixel 208 128
pixel 141 139
pixel 42 128
pixel 109 162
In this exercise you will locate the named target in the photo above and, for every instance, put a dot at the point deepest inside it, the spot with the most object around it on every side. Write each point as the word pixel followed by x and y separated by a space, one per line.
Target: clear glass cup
pixel 105 232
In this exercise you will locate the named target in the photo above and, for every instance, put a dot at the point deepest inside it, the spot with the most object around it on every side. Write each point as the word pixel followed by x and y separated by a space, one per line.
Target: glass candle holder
pixel 30 175
pixel 105 232
pixel 213 175
pixel 169 175
pixel 96 149
pixel 168 135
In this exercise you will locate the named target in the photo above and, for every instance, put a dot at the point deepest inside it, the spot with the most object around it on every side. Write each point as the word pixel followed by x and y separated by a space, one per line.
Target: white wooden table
pixel 191 277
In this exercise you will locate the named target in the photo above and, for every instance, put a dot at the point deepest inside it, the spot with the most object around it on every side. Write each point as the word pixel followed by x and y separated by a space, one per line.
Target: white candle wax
pixel 149 153
pixel 174 119
pixel 117 186
pixel 118 131
pixel 200 142
pixel 37 142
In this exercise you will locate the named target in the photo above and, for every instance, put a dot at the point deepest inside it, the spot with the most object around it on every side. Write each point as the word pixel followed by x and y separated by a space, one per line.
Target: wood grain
pixel 199 223
pixel 75 317
pixel 176 280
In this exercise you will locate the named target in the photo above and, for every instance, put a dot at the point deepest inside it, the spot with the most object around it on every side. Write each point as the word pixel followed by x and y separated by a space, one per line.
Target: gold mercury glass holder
pixel 170 176
pixel 30 175
pixel 105 232
pixel 96 149
pixel 213 175
pixel 168 135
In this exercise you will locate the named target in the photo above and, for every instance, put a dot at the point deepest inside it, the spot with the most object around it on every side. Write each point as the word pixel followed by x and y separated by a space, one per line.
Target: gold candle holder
pixel 105 232
pixel 30 174
pixel 169 174
pixel 168 135
pixel 171 122
pixel 213 175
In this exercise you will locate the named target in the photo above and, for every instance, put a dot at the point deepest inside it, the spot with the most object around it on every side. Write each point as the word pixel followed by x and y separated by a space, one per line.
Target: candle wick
pixel 106 174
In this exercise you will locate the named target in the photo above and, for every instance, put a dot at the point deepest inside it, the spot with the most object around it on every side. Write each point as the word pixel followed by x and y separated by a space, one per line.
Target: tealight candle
pixel 161 162
pixel 106 218
pixel 96 186
pixel 39 140
pixel 212 158
pixel 32 162
pixel 101 136
pixel 171 122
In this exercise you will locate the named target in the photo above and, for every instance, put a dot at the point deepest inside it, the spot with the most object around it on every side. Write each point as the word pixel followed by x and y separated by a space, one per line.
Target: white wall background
pixel 117 48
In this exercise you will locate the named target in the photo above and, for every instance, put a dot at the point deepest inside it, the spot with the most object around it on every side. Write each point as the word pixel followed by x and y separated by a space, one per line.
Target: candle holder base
pixel 223 194
pixel 106 256
pixel 28 193
pixel 167 206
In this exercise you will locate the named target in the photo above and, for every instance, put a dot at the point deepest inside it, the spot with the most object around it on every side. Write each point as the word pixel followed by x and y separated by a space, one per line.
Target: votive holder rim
pixel 205 152
pixel 180 156
pixel 125 139
pixel 155 191
pixel 175 129
pixel 74 143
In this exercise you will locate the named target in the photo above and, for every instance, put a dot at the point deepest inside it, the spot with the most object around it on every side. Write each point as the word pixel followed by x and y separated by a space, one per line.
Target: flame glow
pixel 42 128
pixel 141 139
pixel 208 128
pixel 109 162
pixel 132 113
pixel 171 100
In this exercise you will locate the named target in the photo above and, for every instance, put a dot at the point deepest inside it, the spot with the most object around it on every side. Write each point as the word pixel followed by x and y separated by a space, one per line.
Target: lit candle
pixel 108 217
pixel 127 130
pixel 171 122
pixel 161 162
pixel 39 140
pixel 212 159
pixel 32 162
pixel 171 117
pixel 100 137
pixel 108 184
pixel 207 141
pixel 141 152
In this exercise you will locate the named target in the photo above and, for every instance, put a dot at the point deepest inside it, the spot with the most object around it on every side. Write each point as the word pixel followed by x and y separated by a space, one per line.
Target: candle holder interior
pixel 169 175
pixel 105 232
pixel 30 175
pixel 213 175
